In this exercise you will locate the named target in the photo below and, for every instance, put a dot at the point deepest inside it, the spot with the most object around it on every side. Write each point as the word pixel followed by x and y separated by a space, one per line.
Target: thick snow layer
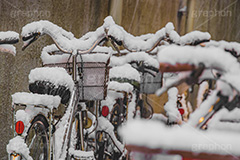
pixel 56 75
pixel 64 58
pixel 17 145
pixel 64 39
pixel 194 36
pixel 212 57
pixel 36 99
pixel 225 45
pixel 171 106
pixel 124 71
pixel 9 35
pixel 89 155
pixel 153 135
pixel 134 56
pixel 131 42
pixel 231 120
pixel 116 86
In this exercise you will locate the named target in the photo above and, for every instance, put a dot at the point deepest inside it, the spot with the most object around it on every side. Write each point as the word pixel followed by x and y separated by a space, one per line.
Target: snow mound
pixel 56 75
pixel 36 99
pixel 124 71
pixel 18 145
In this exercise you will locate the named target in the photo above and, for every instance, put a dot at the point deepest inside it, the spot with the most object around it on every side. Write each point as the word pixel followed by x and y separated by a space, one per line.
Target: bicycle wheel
pixel 37 138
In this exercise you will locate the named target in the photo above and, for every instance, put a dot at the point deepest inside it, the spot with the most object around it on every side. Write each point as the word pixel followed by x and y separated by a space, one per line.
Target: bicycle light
pixel 15 156
pixel 19 127
pixel 181 110
pixel 105 111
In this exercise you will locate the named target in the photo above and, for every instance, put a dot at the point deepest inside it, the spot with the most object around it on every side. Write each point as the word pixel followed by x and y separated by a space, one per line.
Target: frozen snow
pixel 155 135
pixel 124 71
pixel 9 35
pixel 56 75
pixel 18 145
pixel 36 99
pixel 194 36
pixel 64 39
pixel 131 42
pixel 171 106
pixel 64 58
pixel 225 45
pixel 231 120
pixel 134 57
pixel 116 86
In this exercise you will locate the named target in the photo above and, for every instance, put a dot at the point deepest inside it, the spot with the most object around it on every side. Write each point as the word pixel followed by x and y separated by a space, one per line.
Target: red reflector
pixel 105 111
pixel 19 127
pixel 181 110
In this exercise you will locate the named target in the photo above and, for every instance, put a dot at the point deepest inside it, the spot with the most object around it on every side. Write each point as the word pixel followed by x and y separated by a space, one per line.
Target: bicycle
pixel 194 68
pixel 71 94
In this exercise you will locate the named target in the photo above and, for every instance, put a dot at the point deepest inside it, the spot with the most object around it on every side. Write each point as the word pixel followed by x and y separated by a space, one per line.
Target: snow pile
pixel 134 57
pixel 194 36
pixel 211 57
pixel 203 87
pixel 116 86
pixel 88 155
pixel 8 36
pixel 171 106
pixel 18 145
pixel 125 71
pixel 231 46
pixel 156 135
pixel 131 42
pixel 64 58
pixel 36 99
pixel 225 120
pixel 55 75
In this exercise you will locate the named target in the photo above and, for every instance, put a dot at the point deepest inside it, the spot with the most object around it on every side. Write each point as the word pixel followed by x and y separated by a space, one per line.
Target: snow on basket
pixel 94 71
pixel 125 74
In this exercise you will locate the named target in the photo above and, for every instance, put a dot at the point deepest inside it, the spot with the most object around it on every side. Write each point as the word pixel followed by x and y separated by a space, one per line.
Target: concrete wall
pixel 80 16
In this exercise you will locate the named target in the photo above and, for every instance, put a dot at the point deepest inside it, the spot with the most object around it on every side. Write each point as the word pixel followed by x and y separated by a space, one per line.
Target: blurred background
pixel 221 18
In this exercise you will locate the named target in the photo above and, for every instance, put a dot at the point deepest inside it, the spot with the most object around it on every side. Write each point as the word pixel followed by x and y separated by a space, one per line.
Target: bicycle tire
pixel 37 138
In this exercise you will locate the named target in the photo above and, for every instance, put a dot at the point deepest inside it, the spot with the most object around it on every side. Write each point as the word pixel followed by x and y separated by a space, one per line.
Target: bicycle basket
pixel 93 76
pixel 150 84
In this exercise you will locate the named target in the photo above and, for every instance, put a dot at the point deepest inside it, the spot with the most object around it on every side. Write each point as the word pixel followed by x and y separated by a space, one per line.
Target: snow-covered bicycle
pixel 42 134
